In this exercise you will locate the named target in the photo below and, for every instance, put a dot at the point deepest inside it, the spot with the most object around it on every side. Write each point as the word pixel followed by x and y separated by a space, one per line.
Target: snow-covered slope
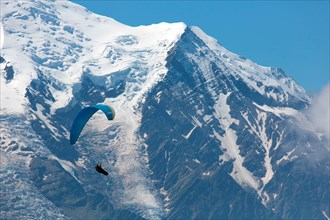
pixel 53 45
pixel 256 77
pixel 199 131
pixel 63 39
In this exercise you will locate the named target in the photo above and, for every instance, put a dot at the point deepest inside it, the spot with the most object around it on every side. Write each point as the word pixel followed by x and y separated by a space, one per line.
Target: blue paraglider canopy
pixel 84 115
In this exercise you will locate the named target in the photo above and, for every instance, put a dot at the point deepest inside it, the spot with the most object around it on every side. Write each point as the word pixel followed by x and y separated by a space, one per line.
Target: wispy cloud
pixel 319 110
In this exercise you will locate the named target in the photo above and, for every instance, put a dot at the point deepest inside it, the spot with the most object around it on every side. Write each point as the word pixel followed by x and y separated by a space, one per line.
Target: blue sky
pixel 293 35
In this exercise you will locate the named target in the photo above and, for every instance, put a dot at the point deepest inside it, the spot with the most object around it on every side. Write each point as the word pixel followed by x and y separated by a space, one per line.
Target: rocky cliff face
pixel 224 145
pixel 200 132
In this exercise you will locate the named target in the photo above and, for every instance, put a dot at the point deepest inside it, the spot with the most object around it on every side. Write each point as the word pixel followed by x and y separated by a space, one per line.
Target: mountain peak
pixel 199 131
pixel 263 80
pixel 54 40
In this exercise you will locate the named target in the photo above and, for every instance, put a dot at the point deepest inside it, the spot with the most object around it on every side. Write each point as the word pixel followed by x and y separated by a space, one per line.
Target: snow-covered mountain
pixel 199 133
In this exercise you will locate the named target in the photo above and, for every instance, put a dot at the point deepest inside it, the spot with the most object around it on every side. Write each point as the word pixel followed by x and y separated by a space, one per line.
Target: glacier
pixel 199 133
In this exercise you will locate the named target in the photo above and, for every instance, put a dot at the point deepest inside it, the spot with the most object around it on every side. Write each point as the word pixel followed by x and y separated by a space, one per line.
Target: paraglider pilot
pixel 99 169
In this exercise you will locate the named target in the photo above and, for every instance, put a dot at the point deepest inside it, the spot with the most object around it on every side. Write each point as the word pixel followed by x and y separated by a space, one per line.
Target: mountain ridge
pixel 200 132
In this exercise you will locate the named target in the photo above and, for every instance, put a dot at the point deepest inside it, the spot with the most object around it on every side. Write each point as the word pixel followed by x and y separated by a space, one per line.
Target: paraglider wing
pixel 84 115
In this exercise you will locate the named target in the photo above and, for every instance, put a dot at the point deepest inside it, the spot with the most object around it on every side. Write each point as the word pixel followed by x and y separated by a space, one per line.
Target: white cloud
pixel 320 110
